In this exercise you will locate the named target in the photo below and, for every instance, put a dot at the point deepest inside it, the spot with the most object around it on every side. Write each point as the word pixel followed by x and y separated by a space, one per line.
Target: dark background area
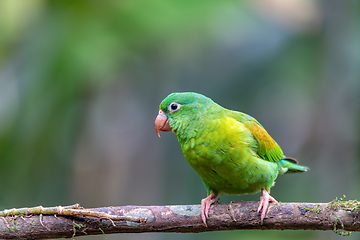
pixel 81 82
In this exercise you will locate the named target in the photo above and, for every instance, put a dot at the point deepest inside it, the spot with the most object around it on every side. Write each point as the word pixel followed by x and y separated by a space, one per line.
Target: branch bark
pixel 343 215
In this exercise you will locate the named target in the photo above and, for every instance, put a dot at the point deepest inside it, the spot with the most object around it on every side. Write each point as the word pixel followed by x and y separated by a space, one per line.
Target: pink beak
pixel 162 123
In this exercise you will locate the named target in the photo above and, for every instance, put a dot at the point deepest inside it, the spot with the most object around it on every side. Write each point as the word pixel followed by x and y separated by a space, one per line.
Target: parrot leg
pixel 205 206
pixel 265 199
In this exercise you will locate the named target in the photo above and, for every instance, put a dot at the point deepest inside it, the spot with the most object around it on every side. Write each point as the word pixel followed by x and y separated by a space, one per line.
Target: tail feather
pixel 289 165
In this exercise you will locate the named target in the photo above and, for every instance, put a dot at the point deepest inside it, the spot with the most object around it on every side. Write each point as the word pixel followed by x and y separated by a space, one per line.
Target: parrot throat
pixel 187 128
pixel 185 131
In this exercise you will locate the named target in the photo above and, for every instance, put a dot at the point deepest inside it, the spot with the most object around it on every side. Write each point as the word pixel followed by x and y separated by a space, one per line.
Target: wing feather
pixel 266 148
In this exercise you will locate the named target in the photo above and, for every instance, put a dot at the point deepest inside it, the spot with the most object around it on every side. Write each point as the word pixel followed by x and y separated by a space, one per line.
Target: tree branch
pixel 338 215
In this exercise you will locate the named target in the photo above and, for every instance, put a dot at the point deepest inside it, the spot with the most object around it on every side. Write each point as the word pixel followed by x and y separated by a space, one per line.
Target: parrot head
pixel 178 110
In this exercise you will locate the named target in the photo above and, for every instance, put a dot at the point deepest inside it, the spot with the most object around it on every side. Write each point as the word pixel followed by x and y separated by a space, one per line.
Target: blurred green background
pixel 81 82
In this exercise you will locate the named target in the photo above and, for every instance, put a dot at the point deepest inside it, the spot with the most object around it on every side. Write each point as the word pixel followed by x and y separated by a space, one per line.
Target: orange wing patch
pixel 267 149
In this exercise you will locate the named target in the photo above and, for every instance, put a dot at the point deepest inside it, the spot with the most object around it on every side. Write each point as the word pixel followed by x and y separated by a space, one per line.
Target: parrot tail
pixel 290 165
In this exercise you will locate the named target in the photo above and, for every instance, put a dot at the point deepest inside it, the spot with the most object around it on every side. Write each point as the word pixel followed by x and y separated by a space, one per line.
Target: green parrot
pixel 230 150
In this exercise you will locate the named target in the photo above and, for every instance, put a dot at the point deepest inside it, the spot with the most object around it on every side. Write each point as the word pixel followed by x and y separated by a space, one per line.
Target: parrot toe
pixel 205 206
pixel 265 199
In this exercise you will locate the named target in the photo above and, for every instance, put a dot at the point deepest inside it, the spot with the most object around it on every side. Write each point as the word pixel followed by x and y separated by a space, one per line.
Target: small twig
pixel 41 221
pixel 72 210
pixel 96 214
pixel 6 222
pixel 34 210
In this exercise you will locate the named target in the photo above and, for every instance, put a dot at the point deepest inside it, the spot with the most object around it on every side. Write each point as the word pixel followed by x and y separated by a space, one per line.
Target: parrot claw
pixel 205 207
pixel 265 199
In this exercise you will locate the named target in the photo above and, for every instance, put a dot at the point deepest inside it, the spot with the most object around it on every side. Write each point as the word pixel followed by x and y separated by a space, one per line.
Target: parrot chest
pixel 222 156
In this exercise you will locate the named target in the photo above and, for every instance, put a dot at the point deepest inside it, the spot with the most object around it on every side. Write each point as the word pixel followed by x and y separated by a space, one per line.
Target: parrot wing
pixel 266 148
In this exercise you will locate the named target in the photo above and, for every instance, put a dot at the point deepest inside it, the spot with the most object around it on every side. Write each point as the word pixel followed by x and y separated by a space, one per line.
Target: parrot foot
pixel 265 199
pixel 205 206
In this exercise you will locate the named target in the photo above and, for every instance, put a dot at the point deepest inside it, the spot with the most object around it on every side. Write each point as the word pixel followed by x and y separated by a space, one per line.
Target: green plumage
pixel 230 150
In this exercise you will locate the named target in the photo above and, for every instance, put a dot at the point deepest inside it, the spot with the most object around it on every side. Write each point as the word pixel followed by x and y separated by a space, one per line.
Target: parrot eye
pixel 173 107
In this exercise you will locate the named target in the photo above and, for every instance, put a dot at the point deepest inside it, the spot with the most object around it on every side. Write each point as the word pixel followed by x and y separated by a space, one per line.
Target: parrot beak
pixel 162 123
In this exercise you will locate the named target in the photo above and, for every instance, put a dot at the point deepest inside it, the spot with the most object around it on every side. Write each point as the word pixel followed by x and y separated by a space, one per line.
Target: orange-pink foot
pixel 265 199
pixel 205 206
